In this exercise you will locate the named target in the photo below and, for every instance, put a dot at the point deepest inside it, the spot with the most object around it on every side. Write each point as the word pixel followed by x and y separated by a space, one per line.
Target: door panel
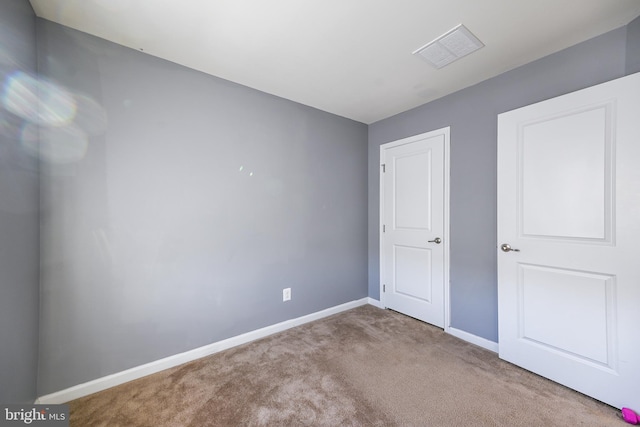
pixel 412 212
pixel 566 174
pixel 413 276
pixel 568 182
pixel 578 301
pixel 413 206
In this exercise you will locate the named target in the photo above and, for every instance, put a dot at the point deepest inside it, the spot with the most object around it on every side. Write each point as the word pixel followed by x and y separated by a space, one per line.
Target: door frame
pixel 446 131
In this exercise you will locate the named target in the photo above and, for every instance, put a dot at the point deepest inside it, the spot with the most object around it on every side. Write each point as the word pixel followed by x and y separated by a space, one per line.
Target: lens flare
pixel 10 125
pixel 20 96
pixel 55 144
pixel 29 138
pixel 90 116
pixel 37 101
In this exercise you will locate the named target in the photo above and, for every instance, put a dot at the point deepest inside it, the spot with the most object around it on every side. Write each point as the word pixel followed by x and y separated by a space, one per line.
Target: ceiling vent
pixel 449 47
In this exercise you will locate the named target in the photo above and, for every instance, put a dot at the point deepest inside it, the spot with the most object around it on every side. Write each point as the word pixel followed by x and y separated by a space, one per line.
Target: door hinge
pixel 384 168
pixel 384 288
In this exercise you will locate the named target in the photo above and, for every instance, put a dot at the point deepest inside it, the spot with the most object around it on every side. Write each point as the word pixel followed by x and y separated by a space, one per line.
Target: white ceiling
pixel 348 57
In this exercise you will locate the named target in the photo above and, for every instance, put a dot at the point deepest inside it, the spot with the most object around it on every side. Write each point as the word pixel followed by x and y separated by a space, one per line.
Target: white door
pixel 414 237
pixel 569 208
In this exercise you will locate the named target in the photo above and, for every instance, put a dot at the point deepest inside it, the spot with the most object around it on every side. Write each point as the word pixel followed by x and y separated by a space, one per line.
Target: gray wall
pixel 471 113
pixel 633 47
pixel 19 253
pixel 178 206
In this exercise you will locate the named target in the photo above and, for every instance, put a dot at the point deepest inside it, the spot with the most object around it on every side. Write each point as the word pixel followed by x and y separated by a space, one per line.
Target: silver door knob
pixel 507 248
pixel 437 240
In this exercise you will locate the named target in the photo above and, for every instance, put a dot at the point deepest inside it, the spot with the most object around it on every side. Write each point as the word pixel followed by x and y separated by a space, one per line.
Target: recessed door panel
pixel 569 311
pixel 413 272
pixel 413 205
pixel 566 175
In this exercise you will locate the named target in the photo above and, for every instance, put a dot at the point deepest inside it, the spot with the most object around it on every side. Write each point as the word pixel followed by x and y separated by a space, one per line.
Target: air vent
pixel 449 47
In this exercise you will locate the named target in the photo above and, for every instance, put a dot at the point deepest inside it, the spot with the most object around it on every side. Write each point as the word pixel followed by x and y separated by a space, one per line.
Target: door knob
pixel 507 248
pixel 437 240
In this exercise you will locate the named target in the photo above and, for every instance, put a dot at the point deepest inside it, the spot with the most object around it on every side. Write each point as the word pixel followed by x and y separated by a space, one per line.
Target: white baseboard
pixel 458 333
pixel 473 339
pixel 375 303
pixel 118 378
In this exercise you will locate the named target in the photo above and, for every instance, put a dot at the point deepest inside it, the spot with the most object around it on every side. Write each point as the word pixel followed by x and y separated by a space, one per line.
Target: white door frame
pixel 445 238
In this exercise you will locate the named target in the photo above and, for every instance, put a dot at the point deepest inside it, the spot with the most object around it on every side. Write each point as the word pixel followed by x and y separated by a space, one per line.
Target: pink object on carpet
pixel 629 416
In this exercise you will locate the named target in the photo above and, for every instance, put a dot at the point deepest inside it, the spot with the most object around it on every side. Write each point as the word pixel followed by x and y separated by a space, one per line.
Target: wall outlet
pixel 286 294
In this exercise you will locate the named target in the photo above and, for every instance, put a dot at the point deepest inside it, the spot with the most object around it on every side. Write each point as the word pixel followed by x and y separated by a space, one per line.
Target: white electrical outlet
pixel 286 294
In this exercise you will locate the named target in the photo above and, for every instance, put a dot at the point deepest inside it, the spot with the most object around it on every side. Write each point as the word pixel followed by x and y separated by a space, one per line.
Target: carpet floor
pixel 362 367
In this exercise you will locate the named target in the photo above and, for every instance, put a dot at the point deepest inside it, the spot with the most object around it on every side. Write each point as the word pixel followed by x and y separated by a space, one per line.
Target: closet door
pixel 569 239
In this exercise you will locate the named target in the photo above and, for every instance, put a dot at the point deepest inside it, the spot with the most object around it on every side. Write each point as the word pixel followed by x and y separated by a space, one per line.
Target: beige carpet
pixel 363 367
